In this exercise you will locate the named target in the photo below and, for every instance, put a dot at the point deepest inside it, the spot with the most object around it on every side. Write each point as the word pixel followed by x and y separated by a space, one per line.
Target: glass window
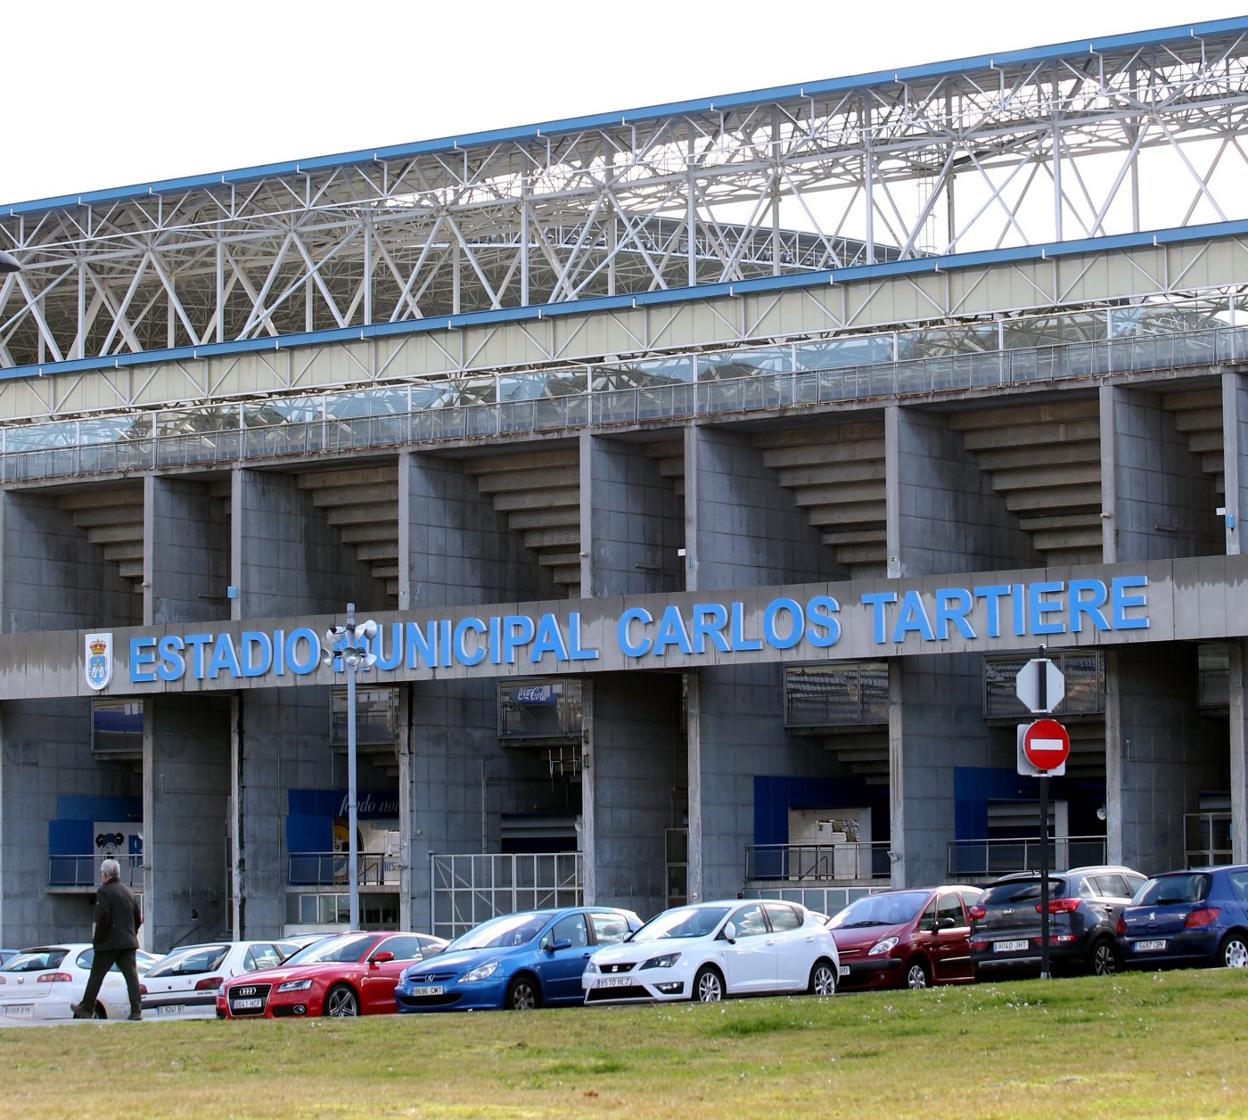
pixel 783 917
pixel 337 950
pixel 406 948
pixel 950 906
pixel 117 727
pixel 502 933
pixel 191 961
pixel 1170 890
pixel 1112 885
pixel 1239 884
pixel 1020 890
pixel 609 928
pixel 263 956
pixel 571 928
pixel 682 922
pixel 749 920
pixel 376 716
pixel 539 709
pixel 845 694
pixel 892 908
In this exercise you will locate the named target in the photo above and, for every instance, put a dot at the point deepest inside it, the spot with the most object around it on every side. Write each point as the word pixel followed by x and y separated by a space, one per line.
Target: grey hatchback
pixel 1084 904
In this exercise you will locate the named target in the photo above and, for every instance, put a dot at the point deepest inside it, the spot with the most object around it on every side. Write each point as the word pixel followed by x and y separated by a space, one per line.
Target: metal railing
pixel 229 439
pixel 817 863
pixel 84 871
pixel 1208 838
pixel 983 859
pixel 330 869
pixel 465 890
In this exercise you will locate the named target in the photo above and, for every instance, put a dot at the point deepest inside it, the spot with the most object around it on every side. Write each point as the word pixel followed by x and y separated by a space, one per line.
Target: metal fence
pixel 468 889
pixel 330 868
pixel 851 862
pixel 84 871
pixel 84 447
pixel 984 859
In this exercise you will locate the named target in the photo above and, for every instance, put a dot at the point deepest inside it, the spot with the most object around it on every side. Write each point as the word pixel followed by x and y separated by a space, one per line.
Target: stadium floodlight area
pixel 1075 141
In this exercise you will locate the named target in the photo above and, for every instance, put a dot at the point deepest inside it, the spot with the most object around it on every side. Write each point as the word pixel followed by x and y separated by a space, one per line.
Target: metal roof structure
pixel 1075 142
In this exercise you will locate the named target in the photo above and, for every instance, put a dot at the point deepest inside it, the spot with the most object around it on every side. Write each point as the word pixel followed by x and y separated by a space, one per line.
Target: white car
pixel 711 950
pixel 41 983
pixel 183 984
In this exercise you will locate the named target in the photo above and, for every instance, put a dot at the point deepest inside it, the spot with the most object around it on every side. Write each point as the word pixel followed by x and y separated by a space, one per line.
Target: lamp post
pixel 346 646
pixel 8 262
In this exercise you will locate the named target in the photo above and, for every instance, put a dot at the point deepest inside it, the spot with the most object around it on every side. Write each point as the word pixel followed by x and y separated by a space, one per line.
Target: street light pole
pixel 353 855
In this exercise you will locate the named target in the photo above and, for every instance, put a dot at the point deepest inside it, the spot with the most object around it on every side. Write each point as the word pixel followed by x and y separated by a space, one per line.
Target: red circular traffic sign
pixel 1046 744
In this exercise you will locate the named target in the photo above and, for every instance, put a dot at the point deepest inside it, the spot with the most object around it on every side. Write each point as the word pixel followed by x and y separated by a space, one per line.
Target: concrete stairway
pixel 864 753
pixel 836 473
pixel 1198 414
pixel 112 518
pixel 363 504
pixel 1045 461
pixel 539 492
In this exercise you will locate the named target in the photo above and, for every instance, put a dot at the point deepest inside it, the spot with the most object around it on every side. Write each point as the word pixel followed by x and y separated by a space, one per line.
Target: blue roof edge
pixel 822 278
pixel 1126 40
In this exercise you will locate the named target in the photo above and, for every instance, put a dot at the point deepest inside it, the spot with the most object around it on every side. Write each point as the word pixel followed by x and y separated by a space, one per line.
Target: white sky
pixel 103 95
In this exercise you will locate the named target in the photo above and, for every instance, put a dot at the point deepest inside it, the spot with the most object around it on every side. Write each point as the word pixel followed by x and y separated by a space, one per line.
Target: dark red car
pixel 906 938
pixel 352 974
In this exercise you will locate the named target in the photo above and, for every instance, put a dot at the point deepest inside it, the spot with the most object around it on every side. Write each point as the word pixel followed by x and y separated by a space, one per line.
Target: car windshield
pixel 880 910
pixel 1170 890
pixel 1020 890
pixel 36 960
pixel 501 933
pixel 347 949
pixel 192 960
pixel 684 921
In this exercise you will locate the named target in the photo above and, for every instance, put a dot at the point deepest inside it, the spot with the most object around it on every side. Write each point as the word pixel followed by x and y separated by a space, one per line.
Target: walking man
pixel 117 921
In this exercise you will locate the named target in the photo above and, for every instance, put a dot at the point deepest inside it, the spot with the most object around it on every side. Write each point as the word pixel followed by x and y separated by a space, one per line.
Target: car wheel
pixel 1103 960
pixel 916 976
pixel 523 994
pixel 708 985
pixel 341 1003
pixel 822 980
pixel 1234 951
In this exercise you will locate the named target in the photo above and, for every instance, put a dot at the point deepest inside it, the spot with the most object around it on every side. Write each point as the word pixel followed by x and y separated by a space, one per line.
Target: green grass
pixel 1152 1045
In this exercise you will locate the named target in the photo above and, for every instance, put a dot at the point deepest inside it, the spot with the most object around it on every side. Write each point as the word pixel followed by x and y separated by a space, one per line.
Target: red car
pixel 906 938
pixel 352 974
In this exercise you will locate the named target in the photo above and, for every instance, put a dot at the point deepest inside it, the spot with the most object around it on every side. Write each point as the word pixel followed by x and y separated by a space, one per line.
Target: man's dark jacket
pixel 117 917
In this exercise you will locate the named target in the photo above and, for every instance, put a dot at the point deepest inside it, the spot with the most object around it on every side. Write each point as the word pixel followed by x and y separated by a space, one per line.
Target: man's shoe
pixel 134 1017
pixel 76 1008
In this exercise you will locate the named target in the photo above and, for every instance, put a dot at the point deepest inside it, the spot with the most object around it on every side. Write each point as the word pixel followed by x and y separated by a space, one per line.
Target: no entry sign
pixel 1046 746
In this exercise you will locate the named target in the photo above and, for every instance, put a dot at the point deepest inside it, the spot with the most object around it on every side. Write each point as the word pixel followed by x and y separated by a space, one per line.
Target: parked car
pixel 1188 917
pixel 352 974
pixel 516 961
pixel 7 955
pixel 42 982
pixel 711 950
pixel 183 984
pixel 906 938
pixel 1084 905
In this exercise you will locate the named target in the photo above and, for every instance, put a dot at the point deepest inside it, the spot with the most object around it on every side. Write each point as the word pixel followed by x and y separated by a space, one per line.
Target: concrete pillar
pixel 936 724
pixel 1161 503
pixel 1160 753
pixel 634 760
pixel 742 528
pixel 632 522
pixel 1235 457
pixel 287 558
pixel 186 758
pixel 454 549
pixel 943 514
pixel 186 549
pixel 1238 763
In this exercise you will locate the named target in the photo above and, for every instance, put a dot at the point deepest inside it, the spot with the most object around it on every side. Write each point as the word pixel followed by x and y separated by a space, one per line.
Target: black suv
pixel 1084 904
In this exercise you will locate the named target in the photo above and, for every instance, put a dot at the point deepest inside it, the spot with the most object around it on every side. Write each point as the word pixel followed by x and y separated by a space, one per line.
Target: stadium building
pixel 709 470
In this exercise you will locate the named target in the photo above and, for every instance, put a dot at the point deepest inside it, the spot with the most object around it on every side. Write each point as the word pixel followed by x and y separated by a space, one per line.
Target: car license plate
pixel 426 990
pixel 1149 946
pixel 1010 946
pixel 843 970
pixel 246 1004
pixel 20 1010
pixel 177 1008
pixel 613 981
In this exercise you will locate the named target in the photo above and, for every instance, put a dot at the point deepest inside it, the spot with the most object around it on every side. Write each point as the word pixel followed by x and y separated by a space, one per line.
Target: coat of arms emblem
pixel 98 664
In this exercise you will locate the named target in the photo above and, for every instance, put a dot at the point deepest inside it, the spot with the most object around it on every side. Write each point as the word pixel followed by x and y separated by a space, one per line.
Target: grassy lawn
pixel 1143 1045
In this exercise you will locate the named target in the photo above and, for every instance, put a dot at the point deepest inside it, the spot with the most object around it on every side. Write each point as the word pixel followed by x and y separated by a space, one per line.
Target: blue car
pixel 1197 917
pixel 516 961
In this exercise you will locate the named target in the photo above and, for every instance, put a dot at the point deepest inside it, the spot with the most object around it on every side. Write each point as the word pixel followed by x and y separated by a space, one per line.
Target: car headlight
pixel 665 961
pixel 882 946
pixel 295 986
pixel 591 967
pixel 481 972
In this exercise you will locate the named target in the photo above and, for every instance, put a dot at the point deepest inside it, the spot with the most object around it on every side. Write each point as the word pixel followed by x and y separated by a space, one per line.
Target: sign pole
pixel 353 855
pixel 1044 839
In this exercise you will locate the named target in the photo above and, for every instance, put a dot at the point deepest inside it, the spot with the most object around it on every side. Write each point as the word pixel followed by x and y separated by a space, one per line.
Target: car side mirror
pixel 730 932
pixel 380 958
pixel 561 943
pixel 947 923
